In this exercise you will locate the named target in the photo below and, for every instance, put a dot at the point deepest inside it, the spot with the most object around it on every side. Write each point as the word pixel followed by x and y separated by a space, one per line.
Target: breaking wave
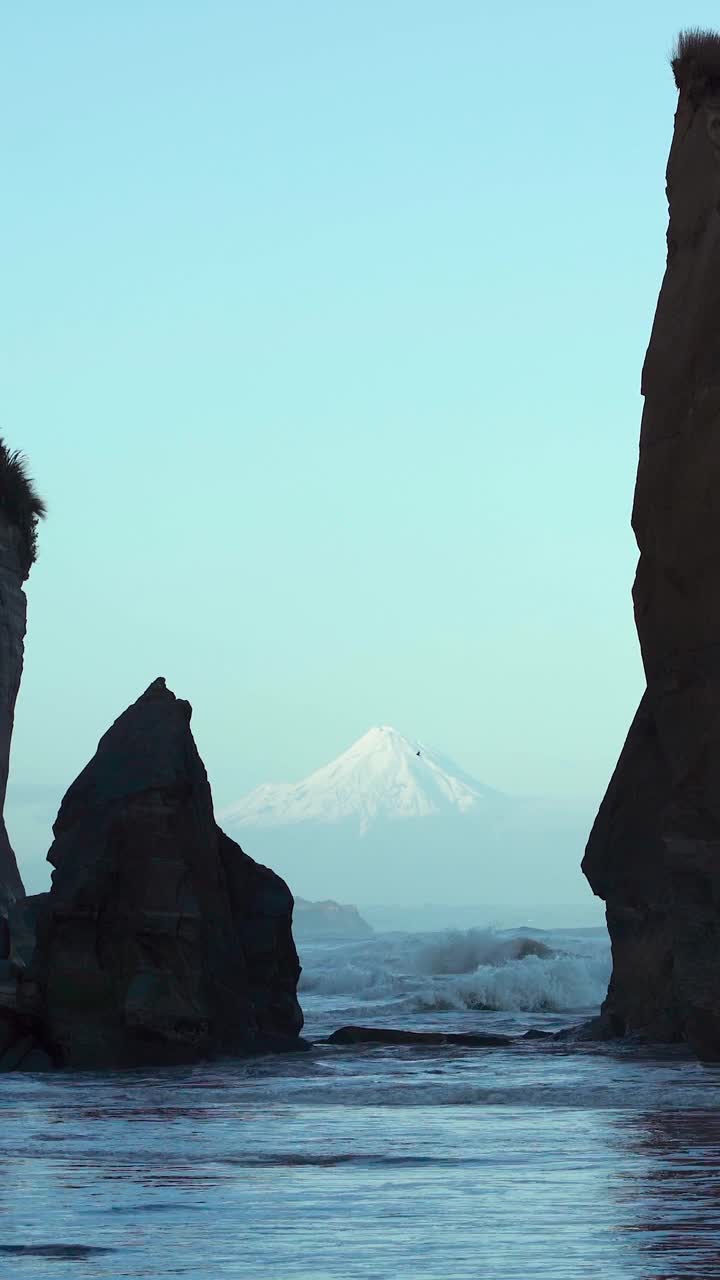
pixel 459 951
pixel 530 984
pixel 455 970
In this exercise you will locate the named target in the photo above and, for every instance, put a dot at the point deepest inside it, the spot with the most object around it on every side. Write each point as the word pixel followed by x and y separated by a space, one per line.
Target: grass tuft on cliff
pixel 695 59
pixel 19 500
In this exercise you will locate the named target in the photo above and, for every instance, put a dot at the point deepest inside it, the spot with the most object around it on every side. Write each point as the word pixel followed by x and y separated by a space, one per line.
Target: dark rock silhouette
pixel 654 851
pixel 160 940
pixel 417 1039
pixel 23 918
pixel 20 510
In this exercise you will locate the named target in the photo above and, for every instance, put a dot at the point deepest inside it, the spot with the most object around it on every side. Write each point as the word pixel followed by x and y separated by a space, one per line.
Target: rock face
pixel 654 851
pixel 160 940
pixel 20 510
pixel 12 636
pixel 23 919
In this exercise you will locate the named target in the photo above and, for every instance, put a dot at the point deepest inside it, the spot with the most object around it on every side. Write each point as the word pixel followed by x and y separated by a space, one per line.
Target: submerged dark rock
pixel 392 1036
pixel 61 1252
pixel 160 940
pixel 654 851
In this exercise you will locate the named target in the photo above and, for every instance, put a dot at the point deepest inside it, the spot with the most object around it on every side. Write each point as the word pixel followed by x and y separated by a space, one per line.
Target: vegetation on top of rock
pixel 695 60
pixel 19 500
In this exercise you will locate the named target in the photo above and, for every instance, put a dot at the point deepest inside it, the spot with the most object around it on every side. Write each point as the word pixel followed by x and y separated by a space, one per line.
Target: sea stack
pixel 654 850
pixel 160 940
pixel 20 510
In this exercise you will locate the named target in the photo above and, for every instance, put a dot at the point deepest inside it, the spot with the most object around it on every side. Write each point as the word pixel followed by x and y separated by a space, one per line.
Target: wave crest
pixel 463 951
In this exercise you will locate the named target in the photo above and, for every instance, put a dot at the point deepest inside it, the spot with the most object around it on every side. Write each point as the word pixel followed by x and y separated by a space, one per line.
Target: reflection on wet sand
pixel 533 1164
pixel 670 1194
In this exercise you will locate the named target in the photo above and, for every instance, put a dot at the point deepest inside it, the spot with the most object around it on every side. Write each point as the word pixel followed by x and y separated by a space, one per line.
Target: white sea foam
pixel 477 969
pixel 532 983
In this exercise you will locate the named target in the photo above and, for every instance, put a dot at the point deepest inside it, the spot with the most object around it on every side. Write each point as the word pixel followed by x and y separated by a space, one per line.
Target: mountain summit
pixel 391 820
pixel 381 777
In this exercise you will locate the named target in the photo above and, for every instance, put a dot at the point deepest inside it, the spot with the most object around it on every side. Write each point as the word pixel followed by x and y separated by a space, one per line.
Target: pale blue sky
pixel 322 331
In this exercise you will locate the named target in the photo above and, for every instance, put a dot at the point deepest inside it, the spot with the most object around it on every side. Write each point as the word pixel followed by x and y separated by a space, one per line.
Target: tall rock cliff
pixel 20 509
pixel 160 940
pixel 654 851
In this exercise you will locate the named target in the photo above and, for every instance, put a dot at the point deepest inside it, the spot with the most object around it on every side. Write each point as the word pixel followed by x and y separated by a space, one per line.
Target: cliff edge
pixel 654 850
pixel 20 510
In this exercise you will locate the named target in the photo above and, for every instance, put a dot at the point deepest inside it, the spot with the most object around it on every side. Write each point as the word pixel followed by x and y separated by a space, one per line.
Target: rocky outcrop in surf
pixel 654 851
pixel 416 1039
pixel 20 510
pixel 328 920
pixel 160 940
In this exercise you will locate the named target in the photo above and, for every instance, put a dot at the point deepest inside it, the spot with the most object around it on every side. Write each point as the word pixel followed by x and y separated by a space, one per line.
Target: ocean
pixel 536 1160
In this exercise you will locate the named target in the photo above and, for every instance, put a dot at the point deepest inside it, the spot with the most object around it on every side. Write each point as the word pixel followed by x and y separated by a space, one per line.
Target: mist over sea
pixel 534 1160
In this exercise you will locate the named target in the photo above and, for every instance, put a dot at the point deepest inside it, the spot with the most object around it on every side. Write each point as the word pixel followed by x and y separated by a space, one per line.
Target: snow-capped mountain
pixel 391 820
pixel 382 776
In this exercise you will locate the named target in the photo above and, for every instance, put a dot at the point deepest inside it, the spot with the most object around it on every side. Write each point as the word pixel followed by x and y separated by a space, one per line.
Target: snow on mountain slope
pixel 383 776
pixel 391 820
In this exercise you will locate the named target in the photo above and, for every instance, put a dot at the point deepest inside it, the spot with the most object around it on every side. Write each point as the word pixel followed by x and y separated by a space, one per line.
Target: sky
pixel 322 331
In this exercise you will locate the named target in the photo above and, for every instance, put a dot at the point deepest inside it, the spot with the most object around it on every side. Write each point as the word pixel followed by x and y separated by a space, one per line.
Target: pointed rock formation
pixel 160 940
pixel 654 851
pixel 20 510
